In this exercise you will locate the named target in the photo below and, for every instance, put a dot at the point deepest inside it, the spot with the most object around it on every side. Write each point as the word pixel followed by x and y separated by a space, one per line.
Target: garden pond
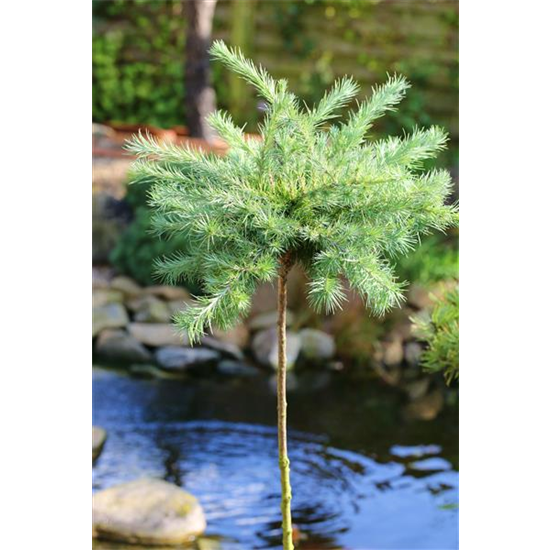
pixel 363 476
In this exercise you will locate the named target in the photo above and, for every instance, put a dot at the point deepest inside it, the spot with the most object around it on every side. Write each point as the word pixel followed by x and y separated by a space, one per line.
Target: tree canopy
pixel 321 194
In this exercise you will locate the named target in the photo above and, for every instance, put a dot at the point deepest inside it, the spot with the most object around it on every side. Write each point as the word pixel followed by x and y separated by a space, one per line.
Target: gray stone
pixel 403 328
pixel 204 543
pixel 99 435
pixel 104 296
pixel 101 277
pixel 238 335
pixel 265 347
pixel 127 286
pixel 418 388
pixel 393 352
pixel 413 353
pixel 157 334
pixel 317 345
pixel 419 296
pixel 147 512
pixel 149 309
pixel 168 293
pixel 108 316
pixel 177 306
pixel 236 368
pixel 174 358
pixel 225 348
pixel 118 345
pixel 267 320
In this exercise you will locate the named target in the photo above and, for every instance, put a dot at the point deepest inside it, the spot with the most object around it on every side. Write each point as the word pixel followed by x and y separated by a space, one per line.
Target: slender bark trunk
pixel 200 97
pixel 284 463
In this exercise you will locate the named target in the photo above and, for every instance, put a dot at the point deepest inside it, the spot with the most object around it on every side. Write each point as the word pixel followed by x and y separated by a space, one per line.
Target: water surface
pixel 363 477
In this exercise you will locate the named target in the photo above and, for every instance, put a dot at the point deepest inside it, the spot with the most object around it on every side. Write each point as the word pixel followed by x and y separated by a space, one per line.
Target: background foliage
pixel 138 56
pixel 138 67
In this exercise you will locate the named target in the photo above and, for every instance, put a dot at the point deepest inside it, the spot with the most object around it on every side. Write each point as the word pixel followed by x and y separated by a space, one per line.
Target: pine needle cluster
pixel 441 333
pixel 340 205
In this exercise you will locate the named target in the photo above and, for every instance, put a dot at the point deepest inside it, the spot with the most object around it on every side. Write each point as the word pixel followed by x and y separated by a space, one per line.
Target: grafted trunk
pixel 200 97
pixel 284 463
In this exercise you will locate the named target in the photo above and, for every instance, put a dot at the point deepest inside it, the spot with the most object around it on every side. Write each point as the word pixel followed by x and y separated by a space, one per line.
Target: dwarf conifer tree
pixel 307 193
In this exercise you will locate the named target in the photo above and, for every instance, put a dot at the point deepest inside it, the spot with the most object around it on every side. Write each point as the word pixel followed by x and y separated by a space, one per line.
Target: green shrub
pixel 137 249
pixel 138 62
pixel 441 333
pixel 436 259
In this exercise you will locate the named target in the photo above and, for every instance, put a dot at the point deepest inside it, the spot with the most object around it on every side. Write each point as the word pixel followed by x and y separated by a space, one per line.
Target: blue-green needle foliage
pixel 441 333
pixel 318 194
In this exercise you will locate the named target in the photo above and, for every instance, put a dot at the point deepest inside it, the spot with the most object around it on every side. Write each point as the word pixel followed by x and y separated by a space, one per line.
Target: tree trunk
pixel 284 463
pixel 200 99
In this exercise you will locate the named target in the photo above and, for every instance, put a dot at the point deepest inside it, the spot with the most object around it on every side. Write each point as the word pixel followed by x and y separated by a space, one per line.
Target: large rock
pixel 157 334
pixel 238 335
pixel 168 293
pixel 317 345
pixel 419 297
pixel 224 348
pixel 99 435
pixel 417 388
pixel 118 345
pixel 108 316
pixel 268 319
pixel 413 353
pixel 403 327
pixel 265 348
pixel 127 286
pixel 101 277
pixel 147 512
pixel 104 296
pixel 177 306
pixel 201 543
pixel 180 359
pixel 149 309
pixel 393 352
